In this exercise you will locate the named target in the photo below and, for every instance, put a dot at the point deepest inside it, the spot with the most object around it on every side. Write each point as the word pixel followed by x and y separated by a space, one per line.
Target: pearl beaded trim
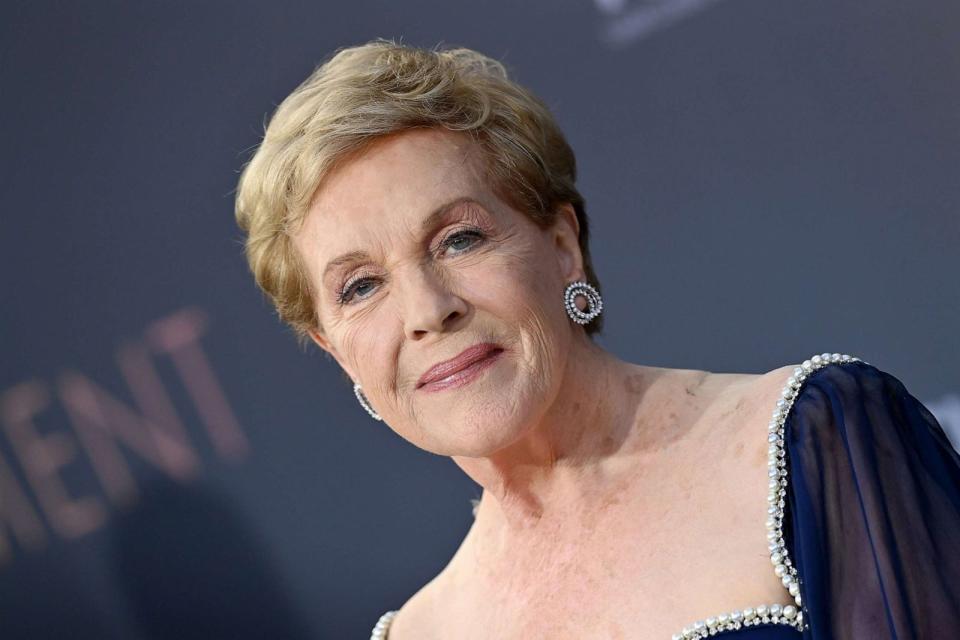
pixel 380 630
pixel 791 614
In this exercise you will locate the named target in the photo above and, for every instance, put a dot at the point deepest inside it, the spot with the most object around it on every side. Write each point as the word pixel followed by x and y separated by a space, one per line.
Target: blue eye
pixel 471 236
pixel 354 286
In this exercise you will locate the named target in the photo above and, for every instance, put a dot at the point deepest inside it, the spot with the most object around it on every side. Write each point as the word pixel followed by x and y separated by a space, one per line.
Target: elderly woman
pixel 414 213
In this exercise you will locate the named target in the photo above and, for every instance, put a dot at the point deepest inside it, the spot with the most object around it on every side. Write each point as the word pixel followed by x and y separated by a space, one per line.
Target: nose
pixel 429 304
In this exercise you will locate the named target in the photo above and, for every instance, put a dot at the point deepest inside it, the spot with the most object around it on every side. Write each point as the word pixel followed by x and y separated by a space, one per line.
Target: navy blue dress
pixel 865 514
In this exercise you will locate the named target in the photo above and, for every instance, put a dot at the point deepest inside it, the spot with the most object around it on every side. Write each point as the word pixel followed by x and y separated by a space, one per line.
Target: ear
pixel 324 343
pixel 566 240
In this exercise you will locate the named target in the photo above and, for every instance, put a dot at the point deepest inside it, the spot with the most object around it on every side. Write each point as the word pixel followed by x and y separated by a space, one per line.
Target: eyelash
pixel 345 293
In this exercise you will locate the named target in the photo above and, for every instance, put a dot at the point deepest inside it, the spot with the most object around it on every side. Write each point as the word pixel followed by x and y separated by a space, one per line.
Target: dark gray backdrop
pixel 767 180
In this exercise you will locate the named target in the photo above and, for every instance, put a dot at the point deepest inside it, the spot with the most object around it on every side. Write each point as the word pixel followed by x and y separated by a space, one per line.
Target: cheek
pixel 523 291
pixel 361 353
pixel 528 282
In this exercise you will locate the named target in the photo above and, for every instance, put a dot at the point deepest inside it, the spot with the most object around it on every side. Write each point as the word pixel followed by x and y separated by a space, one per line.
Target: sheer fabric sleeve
pixel 873 509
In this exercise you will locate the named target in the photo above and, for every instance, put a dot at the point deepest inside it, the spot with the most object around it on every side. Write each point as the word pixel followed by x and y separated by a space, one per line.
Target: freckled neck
pixel 576 454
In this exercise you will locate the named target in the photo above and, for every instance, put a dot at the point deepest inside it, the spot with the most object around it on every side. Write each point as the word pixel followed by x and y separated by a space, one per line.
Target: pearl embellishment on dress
pixel 380 630
pixel 776 502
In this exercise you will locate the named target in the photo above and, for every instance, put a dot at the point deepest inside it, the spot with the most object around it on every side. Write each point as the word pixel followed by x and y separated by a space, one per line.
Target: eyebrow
pixel 432 219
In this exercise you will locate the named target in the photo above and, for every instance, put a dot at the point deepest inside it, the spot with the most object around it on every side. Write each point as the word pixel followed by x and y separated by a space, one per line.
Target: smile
pixel 464 376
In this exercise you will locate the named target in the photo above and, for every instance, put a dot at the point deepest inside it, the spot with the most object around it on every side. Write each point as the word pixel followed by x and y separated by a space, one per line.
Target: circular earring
pixel 592 296
pixel 364 403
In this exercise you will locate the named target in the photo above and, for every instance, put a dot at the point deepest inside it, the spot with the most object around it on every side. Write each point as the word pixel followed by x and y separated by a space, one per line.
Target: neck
pixel 572 455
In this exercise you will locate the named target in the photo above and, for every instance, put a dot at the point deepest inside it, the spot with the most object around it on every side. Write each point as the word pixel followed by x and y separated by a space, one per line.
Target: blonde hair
pixel 373 90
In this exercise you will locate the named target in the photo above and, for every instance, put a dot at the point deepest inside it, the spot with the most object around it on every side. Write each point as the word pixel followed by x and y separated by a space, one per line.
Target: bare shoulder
pixel 763 388
pixel 410 620
pixel 775 379
pixel 742 393
pixel 417 618
pixel 756 398
pixel 762 391
pixel 734 410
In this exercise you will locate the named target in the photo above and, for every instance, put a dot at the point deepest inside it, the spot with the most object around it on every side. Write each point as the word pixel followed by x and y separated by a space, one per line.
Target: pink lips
pixel 473 359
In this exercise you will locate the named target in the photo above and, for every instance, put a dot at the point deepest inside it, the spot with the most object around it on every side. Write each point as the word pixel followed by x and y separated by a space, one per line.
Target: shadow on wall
pixel 191 568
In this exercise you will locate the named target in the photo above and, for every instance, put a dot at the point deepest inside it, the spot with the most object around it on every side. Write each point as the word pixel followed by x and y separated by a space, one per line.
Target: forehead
pixel 407 172
pixel 387 189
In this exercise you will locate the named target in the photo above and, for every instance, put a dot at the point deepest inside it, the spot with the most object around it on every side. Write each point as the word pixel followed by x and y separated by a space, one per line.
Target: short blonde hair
pixel 373 90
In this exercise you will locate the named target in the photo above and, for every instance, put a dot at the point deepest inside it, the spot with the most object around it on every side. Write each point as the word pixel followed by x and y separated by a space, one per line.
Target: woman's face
pixel 414 260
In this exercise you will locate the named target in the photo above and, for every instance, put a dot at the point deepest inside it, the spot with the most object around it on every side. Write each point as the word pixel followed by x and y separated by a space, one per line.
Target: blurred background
pixel 766 180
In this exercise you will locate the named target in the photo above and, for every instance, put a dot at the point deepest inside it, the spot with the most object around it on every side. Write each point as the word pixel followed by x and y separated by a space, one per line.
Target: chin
pixel 481 434
pixel 481 418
